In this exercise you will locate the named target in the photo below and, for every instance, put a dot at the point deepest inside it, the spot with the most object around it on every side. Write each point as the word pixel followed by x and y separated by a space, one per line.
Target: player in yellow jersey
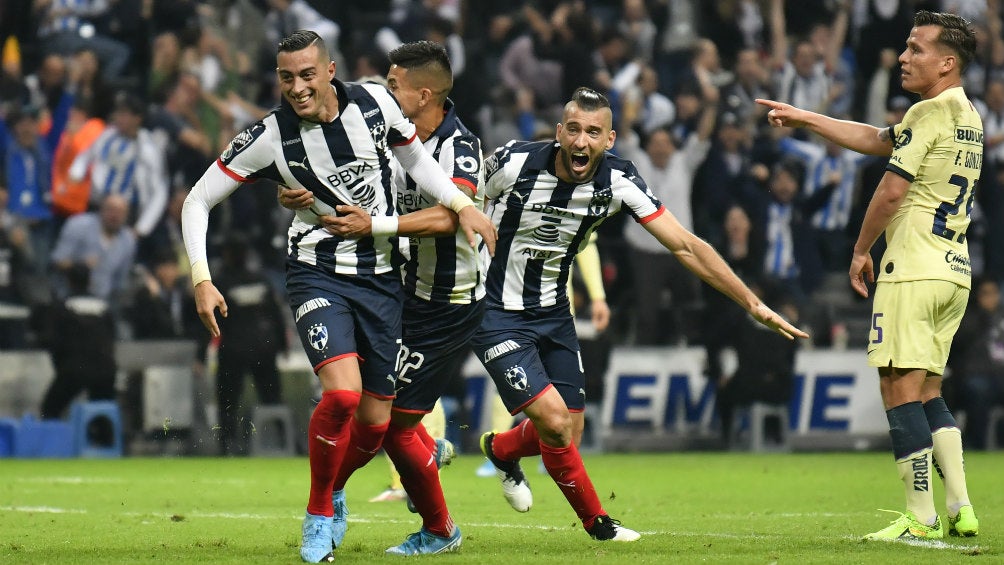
pixel 922 203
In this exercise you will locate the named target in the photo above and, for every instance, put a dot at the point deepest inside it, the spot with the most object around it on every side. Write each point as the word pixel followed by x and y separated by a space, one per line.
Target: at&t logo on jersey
pixel 317 336
pixel 516 377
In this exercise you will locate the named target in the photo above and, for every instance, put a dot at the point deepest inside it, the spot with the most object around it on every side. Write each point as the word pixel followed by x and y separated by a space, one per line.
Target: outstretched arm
pixel 702 259
pixel 855 136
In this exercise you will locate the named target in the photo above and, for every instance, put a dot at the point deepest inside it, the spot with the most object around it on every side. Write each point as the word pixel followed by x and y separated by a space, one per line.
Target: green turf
pixel 690 508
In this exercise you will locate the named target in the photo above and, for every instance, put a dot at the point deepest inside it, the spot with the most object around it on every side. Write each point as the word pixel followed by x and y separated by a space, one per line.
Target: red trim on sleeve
pixel 652 216
pixel 409 140
pixel 230 173
pixel 465 182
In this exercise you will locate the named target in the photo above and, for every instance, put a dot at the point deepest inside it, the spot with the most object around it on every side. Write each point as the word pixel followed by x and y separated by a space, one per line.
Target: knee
pixel 554 428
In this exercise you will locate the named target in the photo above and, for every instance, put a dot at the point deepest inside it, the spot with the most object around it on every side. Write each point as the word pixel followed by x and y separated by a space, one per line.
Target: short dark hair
pixel 956 33
pixel 589 100
pixel 421 54
pixel 426 56
pixel 300 40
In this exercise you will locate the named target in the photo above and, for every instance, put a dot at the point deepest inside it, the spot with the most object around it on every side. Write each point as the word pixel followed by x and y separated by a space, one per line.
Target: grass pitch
pixel 718 508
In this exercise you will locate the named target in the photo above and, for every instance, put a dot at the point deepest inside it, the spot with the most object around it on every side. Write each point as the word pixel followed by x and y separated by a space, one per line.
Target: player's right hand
pixel 207 300
pixel 352 222
pixel 474 221
pixel 774 321
pixel 783 115
pixel 295 198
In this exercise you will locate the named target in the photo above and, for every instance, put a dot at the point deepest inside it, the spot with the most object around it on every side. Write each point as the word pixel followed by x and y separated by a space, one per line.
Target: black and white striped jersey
pixel 543 222
pixel 443 269
pixel 345 161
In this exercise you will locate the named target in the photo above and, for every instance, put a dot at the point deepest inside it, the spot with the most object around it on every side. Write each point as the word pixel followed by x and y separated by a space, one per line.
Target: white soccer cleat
pixel 515 488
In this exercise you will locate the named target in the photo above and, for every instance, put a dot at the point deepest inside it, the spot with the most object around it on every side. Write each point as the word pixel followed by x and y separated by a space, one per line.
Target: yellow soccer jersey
pixel 938 148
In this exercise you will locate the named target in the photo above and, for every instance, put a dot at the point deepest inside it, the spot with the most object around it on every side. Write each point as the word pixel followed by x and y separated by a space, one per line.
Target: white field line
pixel 934 544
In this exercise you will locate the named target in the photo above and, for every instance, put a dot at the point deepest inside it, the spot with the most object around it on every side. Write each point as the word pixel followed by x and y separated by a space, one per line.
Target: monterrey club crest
pixel 516 377
pixel 317 336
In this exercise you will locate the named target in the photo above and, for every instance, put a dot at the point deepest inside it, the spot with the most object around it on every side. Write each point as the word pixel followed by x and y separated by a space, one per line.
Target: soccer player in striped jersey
pixel 336 139
pixel 923 205
pixel 443 287
pixel 546 199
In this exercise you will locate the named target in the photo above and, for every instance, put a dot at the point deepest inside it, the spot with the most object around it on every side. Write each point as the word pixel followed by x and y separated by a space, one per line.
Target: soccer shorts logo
pixel 516 377
pixel 317 336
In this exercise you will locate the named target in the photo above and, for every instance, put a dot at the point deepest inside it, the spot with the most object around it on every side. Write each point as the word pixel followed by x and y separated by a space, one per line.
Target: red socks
pixel 517 443
pixel 364 443
pixel 327 442
pixel 420 477
pixel 564 464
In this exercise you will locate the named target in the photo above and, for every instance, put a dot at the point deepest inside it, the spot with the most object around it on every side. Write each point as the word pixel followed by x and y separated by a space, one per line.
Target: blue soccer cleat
pixel 317 545
pixel 445 452
pixel 338 522
pixel 424 542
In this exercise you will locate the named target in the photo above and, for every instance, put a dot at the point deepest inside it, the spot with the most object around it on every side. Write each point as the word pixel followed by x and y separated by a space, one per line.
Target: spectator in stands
pixel 71 197
pixel 977 360
pixel 84 80
pixel 728 177
pixel 828 163
pixel 163 306
pixel 251 335
pixel 189 142
pixel 286 16
pixel 14 283
pixel 67 27
pixel 723 319
pixel 80 336
pixel 636 25
pixel 749 82
pixel 653 108
pixel 28 167
pixel 126 160
pixel 791 259
pixel 765 367
pixel 991 193
pixel 668 167
pixel 102 241
pixel 49 93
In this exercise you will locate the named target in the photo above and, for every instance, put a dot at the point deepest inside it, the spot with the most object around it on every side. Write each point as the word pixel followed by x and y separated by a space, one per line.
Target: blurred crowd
pixel 110 110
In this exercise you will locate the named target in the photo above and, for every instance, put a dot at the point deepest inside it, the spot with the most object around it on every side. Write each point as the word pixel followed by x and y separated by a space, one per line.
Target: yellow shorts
pixel 913 324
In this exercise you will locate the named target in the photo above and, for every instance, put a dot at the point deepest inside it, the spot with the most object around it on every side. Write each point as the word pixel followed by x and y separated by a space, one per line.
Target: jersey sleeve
pixel 639 202
pixel 461 159
pixel 400 130
pixel 249 151
pixel 914 137
pixel 495 171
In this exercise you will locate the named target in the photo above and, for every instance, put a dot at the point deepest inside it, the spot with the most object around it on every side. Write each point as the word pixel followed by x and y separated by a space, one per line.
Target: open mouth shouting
pixel 580 163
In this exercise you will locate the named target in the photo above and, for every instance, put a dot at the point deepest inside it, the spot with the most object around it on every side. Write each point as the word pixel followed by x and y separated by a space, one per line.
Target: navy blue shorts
pixel 341 316
pixel 527 351
pixel 433 350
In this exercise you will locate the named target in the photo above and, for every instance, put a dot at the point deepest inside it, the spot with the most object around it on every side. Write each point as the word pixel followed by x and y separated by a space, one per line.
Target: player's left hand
pixel 862 267
pixel 352 222
pixel 600 313
pixel 774 321
pixel 474 221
